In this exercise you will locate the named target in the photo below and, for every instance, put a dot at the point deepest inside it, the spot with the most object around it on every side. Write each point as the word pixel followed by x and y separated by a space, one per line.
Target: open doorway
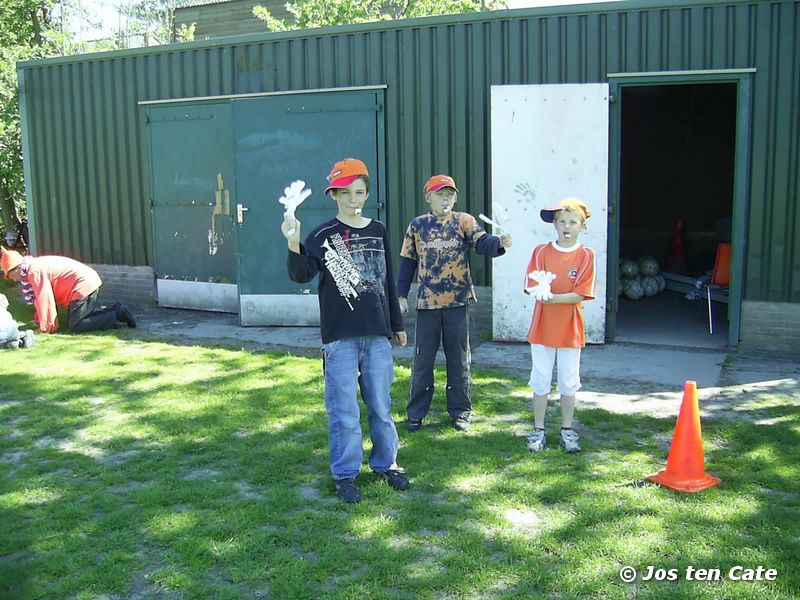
pixel 676 197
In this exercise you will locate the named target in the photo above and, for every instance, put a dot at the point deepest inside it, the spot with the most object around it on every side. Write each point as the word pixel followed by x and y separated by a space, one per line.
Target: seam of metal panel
pixel 26 164
pixel 364 88
pixel 684 73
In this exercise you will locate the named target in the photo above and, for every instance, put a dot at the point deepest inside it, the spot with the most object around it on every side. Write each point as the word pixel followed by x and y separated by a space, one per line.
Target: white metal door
pixel 549 142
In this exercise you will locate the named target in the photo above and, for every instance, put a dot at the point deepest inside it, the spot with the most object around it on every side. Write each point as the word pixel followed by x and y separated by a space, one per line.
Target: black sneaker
pixel 462 424
pixel 126 316
pixel 28 339
pixel 396 479
pixel 347 489
pixel 414 424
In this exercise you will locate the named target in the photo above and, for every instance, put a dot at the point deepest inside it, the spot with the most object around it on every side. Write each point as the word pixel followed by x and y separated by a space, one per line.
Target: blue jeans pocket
pixel 330 348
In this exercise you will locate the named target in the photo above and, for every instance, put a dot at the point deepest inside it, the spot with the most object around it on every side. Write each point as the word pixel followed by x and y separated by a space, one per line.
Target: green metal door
pixel 192 187
pixel 280 139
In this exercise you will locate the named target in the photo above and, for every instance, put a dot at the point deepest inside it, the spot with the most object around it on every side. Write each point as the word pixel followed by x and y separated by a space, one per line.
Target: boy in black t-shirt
pixel 359 314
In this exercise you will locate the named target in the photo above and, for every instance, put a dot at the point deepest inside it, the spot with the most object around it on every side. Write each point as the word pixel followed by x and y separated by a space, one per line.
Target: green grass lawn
pixel 140 469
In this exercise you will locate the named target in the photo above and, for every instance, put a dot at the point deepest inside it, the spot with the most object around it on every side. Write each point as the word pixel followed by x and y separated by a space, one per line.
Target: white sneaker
pixel 537 440
pixel 569 441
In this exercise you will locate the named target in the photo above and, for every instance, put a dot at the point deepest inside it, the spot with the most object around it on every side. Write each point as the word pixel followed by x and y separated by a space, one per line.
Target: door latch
pixel 240 210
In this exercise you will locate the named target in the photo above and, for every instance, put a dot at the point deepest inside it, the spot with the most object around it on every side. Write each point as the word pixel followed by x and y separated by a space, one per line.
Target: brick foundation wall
pixel 771 326
pixel 123 283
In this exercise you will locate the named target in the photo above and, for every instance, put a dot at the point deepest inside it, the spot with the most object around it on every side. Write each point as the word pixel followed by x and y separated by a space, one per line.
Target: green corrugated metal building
pixel 686 81
pixel 218 18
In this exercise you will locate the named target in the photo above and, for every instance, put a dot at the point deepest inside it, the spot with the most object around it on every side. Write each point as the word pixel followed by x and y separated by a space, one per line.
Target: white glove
pixel 541 292
pixel 294 194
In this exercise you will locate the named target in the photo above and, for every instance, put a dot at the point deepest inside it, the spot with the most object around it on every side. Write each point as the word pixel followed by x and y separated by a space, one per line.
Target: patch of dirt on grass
pixel 15 459
pixel 47 442
pixel 527 522
pixel 201 474
pixel 400 541
pixel 246 491
pixel 119 457
pixel 353 575
pixel 309 492
pixel 84 449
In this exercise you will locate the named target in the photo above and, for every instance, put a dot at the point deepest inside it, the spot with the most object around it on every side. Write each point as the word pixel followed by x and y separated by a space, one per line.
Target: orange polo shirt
pixel 561 325
pixel 58 280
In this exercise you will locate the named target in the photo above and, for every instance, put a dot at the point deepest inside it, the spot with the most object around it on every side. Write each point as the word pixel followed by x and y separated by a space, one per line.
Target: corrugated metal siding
pixel 86 150
pixel 213 20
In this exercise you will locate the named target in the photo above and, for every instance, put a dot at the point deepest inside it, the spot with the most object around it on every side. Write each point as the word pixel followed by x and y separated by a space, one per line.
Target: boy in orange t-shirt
pixel 560 275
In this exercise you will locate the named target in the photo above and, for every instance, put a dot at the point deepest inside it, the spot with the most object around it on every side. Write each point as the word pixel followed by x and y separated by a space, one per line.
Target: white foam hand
pixel 541 292
pixel 293 196
pixel 497 229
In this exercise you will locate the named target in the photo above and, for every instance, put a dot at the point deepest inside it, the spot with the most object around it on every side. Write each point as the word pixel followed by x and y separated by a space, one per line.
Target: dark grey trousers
pixel 449 327
pixel 84 317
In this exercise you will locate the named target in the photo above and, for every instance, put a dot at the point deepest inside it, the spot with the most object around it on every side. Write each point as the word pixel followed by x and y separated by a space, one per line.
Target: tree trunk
pixel 8 211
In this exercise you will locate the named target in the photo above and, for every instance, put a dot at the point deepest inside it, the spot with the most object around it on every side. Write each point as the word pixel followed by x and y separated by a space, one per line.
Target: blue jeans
pixel 8 328
pixel 350 363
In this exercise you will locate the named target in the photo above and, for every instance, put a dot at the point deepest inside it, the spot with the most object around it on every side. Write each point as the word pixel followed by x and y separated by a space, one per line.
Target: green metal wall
pixel 82 126
pixel 229 17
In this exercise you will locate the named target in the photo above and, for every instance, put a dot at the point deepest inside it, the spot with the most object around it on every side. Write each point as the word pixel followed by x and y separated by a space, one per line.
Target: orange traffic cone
pixel 685 470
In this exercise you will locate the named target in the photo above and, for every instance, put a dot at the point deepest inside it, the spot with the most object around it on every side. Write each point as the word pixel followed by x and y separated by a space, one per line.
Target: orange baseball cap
pixel 9 260
pixel 572 204
pixel 345 172
pixel 437 182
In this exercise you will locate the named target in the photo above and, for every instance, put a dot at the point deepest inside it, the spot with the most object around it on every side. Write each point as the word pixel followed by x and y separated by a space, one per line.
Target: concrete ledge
pixel 771 327
pixel 198 295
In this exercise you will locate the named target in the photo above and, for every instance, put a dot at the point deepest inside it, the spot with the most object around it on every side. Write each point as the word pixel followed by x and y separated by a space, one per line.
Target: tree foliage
pixel 154 22
pixel 31 29
pixel 27 32
pixel 320 13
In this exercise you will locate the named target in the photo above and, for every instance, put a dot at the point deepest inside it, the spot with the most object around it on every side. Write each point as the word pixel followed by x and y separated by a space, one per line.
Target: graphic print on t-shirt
pixel 341 267
pixel 439 245
pixel 356 264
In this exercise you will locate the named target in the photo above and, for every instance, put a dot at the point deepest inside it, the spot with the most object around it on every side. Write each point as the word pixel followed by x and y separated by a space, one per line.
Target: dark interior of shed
pixel 677 173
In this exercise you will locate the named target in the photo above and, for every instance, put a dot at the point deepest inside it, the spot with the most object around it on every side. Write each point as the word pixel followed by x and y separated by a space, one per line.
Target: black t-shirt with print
pixel 357 293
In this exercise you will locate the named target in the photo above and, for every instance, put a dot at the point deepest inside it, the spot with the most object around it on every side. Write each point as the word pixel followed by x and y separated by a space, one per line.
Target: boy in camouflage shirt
pixel 435 247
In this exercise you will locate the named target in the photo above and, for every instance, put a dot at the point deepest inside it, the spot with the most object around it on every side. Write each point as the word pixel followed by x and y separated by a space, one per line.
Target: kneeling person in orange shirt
pixel 560 275
pixel 50 281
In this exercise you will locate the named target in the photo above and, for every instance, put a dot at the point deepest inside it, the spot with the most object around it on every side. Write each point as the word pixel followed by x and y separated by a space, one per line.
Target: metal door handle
pixel 240 210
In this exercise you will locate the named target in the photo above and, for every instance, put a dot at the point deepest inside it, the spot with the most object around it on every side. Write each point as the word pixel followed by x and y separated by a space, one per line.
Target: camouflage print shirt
pixel 439 246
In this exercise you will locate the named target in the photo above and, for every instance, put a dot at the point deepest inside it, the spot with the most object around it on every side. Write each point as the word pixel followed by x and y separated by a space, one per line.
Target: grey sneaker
pixel 347 489
pixel 414 424
pixel 395 478
pixel 462 423
pixel 569 441
pixel 537 440
pixel 28 339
